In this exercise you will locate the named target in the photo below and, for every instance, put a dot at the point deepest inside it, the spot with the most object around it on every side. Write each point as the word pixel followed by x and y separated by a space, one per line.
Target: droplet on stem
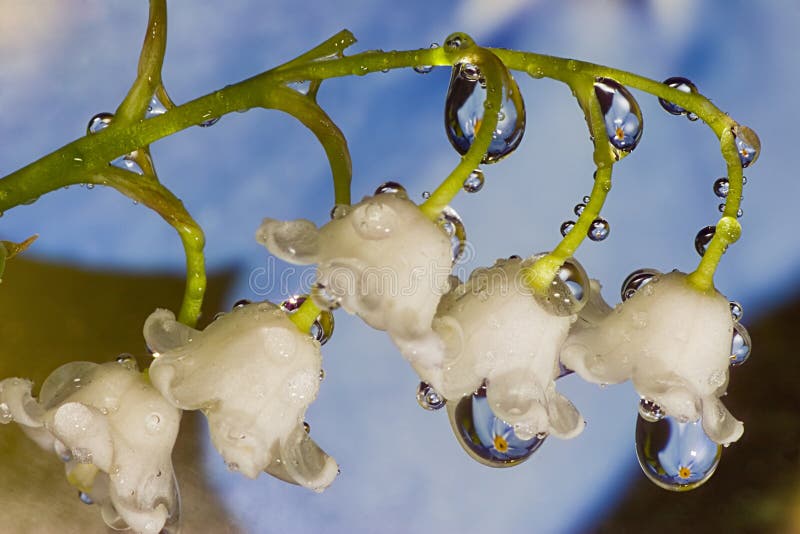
pixel 681 84
pixel 621 114
pixel 703 238
pixel 721 187
pixel 747 144
pixel 99 122
pixel 474 181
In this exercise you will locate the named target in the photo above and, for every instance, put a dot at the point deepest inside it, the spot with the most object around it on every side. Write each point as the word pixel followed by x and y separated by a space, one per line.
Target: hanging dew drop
pixel 474 181
pixel 703 238
pixel 485 437
pixel 685 86
pixel 393 188
pixel 736 311
pixel 599 229
pixel 566 227
pixel 740 345
pixel 464 112
pixel 578 209
pixel 675 456
pixel 721 187
pixel 428 398
pixel 747 144
pixel 621 114
pixel 636 281
pixel 99 122
pixel 209 122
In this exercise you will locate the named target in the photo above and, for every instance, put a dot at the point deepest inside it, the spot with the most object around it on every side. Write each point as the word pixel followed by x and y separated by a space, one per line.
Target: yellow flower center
pixel 684 472
pixel 500 444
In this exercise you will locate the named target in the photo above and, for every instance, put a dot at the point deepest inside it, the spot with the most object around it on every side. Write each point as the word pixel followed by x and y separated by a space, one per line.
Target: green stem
pixel 305 316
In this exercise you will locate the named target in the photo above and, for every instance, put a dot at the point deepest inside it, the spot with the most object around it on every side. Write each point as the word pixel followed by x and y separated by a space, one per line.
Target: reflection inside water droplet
pixel 566 227
pixel 736 311
pixel 740 345
pixel 621 114
pixel 636 280
pixel 155 108
pixel 392 188
pixel 429 398
pixel 747 144
pixel 599 229
pixel 474 181
pixel 322 328
pixel 681 84
pixel 703 238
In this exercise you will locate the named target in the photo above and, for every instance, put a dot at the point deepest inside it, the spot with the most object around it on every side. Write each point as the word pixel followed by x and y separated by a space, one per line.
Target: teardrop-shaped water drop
pixel 154 108
pixel 99 122
pixel 568 293
pixel 703 238
pixel 393 188
pixel 650 411
pixel 637 280
pixel 736 311
pixel 450 223
pixel 128 162
pixel 740 345
pixel 621 114
pixel 566 227
pixel 747 144
pixel 675 456
pixel 484 436
pixel 681 84
pixel 721 187
pixel 464 112
pixel 429 398
pixel 474 181
pixel 599 229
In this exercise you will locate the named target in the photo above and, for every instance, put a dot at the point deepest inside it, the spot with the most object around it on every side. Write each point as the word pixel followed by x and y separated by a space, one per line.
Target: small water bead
pixel 85 498
pixel 485 437
pixel 578 209
pixel 721 187
pixel 681 84
pixel 209 122
pixel 736 311
pixel 457 41
pixel 568 293
pixel 586 199
pixel 392 188
pixel 747 144
pixel 623 118
pixel 241 303
pixel 426 195
pixel 703 238
pixel 451 224
pixel 99 122
pixel 474 181
pixel 650 411
pixel 675 456
pixel 599 229
pixel 566 227
pixel 128 361
pixel 636 281
pixel 741 345
pixel 155 108
pixel 464 113
pixel 429 398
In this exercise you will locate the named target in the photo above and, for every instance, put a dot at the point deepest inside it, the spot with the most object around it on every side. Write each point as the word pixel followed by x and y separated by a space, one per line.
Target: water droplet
pixel 129 162
pixel 153 423
pixel 747 144
pixel 568 293
pixel 675 456
pixel 99 122
pixel 599 229
pixel 740 345
pixel 736 311
pixel 484 436
pixel 339 211
pixel 301 86
pixel 650 411
pixel 429 398
pixel 566 227
pixel 721 187
pixel 5 413
pixel 450 222
pixel 464 112
pixel 586 199
pixel 457 41
pixel 423 69
pixel 426 195
pixel 306 427
pixel 85 498
pixel 636 280
pixel 155 108
pixel 578 209
pixel 128 361
pixel 474 181
pixel 703 238
pixel 241 303
pixel 739 213
pixel 681 84
pixel 623 118
pixel 393 188
pixel 209 122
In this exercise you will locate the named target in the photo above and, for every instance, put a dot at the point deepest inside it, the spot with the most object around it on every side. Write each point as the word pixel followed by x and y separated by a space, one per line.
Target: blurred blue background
pixel 62 62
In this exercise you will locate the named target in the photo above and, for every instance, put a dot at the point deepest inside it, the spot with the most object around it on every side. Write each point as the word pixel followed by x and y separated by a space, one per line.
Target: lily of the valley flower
pixel 496 332
pixel 673 342
pixel 115 433
pixel 382 260
pixel 253 374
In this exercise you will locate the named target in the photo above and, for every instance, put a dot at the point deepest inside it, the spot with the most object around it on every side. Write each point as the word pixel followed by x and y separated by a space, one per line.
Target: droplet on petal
pixel 464 113
pixel 429 398
pixel 621 114
pixel 484 436
pixel 740 345
pixel 675 456
pixel 681 84
pixel 566 227
pixel 650 411
pixel 635 281
pixel 393 188
pixel 155 108
pixel 703 238
pixel 736 311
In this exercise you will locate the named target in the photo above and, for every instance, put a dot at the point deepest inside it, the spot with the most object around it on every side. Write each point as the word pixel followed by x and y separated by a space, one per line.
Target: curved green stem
pixel 305 316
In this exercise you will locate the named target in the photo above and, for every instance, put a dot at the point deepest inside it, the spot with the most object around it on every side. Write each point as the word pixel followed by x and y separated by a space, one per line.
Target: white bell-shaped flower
pixel 253 374
pixel 673 342
pixel 114 431
pixel 496 332
pixel 381 259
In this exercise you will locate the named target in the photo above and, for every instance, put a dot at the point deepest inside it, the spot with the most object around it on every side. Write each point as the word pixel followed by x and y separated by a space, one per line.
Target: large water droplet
pixel 474 181
pixel 155 108
pixel 393 188
pixel 675 456
pixel 747 144
pixel 599 229
pixel 621 113
pixel 429 398
pixel 721 187
pixel 99 122
pixel 450 223
pixel 568 293
pixel 128 162
pixel 464 112
pixel 703 238
pixel 578 209
pixel 740 345
pixel 650 411
pixel 635 281
pixel 681 84
pixel 484 436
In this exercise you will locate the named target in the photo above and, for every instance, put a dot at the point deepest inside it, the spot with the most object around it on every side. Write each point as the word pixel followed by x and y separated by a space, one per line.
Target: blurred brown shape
pixel 52 314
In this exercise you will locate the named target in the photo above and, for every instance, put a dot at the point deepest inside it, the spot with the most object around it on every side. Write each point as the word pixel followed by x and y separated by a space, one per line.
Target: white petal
pixel 163 332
